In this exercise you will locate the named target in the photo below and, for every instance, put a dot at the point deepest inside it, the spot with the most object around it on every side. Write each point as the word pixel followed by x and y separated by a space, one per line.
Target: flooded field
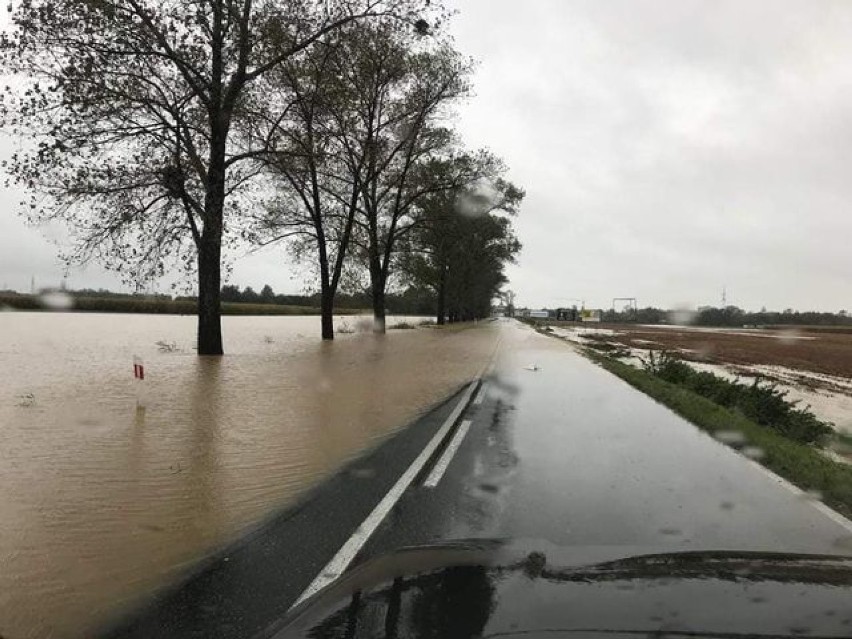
pixel 102 502
pixel 813 365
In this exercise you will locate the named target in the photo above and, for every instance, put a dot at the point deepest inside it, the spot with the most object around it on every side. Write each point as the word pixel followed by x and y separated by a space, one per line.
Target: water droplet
pixel 727 505
pixel 844 543
pixel 56 300
pixel 754 452
pixel 682 316
pixel 705 350
pixel 534 564
pixel 730 437
pixel 670 531
pixel 789 336
pixel 814 495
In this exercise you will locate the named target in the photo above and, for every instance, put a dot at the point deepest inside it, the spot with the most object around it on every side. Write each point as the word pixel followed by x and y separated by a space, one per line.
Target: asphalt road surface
pixel 549 450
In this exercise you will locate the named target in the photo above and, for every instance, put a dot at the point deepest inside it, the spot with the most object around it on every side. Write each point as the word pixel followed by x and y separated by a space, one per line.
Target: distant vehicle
pixel 489 589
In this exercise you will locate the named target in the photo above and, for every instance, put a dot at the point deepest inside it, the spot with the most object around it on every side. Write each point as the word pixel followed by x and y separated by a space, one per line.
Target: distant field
pixel 825 350
pixel 811 329
pixel 812 365
pixel 161 306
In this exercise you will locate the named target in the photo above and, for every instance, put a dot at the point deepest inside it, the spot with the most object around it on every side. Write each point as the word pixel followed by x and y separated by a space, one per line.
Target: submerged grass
pixel 801 464
pixel 402 326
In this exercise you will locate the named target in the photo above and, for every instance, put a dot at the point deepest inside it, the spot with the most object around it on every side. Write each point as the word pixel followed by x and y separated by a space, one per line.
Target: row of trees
pixel 732 316
pixel 735 316
pixel 409 301
pixel 165 131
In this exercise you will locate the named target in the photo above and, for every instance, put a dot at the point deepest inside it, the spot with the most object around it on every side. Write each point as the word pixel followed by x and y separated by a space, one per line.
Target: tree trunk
pixel 442 298
pixel 209 294
pixel 379 309
pixel 327 291
pixel 210 248
pixel 327 310
pixel 377 282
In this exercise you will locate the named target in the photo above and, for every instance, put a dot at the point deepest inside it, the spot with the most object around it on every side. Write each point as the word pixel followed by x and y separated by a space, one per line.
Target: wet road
pixel 572 456
pixel 552 451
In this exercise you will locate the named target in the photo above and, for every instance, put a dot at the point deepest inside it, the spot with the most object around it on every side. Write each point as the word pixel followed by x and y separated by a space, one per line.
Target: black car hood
pixel 497 589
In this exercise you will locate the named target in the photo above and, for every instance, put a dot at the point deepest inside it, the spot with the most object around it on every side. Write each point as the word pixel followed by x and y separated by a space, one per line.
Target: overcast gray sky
pixel 668 149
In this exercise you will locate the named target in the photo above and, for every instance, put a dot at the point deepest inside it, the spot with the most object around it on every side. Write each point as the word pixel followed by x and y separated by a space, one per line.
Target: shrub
pixel 344 328
pixel 667 366
pixel 764 404
pixel 613 350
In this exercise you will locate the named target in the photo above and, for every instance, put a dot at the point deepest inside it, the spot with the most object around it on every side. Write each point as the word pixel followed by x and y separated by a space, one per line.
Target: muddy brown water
pixel 102 502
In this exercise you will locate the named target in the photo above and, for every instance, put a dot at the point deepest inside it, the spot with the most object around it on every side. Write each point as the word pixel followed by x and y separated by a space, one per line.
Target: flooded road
pixel 101 503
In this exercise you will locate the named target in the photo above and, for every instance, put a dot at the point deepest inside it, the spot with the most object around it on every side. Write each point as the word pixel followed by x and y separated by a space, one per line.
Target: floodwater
pixel 101 502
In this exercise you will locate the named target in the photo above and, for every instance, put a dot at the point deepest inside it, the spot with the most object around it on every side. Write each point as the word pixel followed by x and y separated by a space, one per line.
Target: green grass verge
pixel 162 306
pixel 800 464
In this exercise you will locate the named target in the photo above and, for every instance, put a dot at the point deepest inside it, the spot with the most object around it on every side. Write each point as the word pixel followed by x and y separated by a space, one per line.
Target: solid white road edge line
pixel 489 367
pixel 480 396
pixel 338 564
pixel 829 512
pixel 449 452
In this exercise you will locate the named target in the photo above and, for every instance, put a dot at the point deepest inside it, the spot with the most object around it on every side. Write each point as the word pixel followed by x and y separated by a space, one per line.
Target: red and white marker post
pixel 139 376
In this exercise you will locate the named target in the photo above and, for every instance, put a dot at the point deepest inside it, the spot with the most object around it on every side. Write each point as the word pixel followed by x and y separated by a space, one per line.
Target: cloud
pixel 668 149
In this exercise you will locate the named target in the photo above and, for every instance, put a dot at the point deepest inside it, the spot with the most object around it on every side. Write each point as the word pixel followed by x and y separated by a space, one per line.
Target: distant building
pixel 590 315
pixel 567 314
pixel 542 314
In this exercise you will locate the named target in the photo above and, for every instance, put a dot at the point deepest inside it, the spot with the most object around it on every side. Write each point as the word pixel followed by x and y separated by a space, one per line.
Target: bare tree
pixel 318 177
pixel 395 130
pixel 131 106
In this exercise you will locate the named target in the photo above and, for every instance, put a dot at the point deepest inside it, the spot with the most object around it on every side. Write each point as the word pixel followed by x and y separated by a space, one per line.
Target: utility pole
pixel 724 296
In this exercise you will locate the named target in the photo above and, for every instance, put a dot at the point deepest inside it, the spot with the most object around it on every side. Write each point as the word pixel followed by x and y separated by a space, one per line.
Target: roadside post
pixel 139 377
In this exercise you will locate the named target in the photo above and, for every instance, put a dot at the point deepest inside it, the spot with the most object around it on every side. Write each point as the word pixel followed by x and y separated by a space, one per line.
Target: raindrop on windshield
pixel 754 452
pixel 683 315
pixel 844 543
pixel 56 300
pixel 730 437
pixel 789 336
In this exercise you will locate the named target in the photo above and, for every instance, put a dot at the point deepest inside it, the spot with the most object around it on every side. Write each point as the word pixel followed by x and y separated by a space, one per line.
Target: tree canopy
pixel 131 107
